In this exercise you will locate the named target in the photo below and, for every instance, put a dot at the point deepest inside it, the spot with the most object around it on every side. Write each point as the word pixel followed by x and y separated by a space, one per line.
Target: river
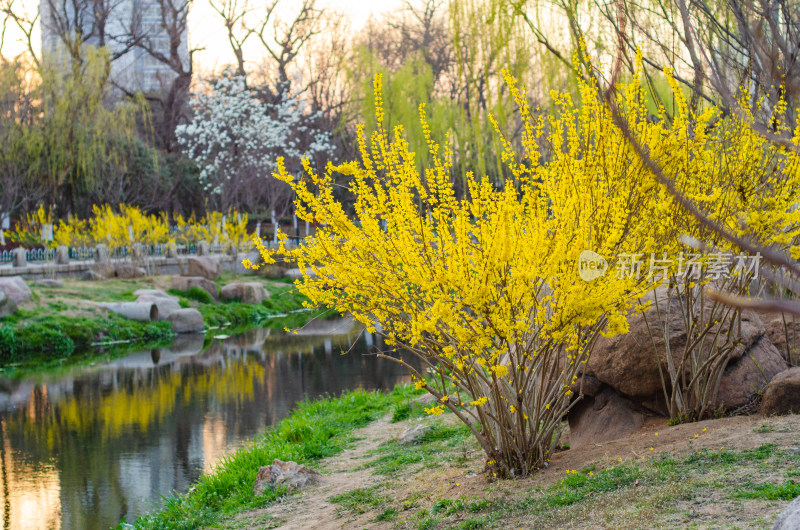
pixel 91 445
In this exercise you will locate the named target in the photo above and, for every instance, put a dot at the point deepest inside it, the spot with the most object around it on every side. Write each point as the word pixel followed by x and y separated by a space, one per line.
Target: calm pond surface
pixel 85 448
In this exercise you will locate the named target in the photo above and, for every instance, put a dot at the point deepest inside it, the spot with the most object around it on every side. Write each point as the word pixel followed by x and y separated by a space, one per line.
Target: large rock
pixel 184 283
pixel 782 332
pixel 247 292
pixel 748 375
pixel 789 519
pixel 782 395
pixel 92 276
pixel 128 271
pixel 203 266
pixel 186 321
pixel 628 362
pixel 292 475
pixel 604 417
pixel 7 305
pixel 16 289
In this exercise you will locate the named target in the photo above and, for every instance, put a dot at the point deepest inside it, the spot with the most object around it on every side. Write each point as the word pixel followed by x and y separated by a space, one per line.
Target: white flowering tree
pixel 236 138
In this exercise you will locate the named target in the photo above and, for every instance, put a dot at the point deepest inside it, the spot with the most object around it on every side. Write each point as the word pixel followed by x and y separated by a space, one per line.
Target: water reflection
pixel 84 450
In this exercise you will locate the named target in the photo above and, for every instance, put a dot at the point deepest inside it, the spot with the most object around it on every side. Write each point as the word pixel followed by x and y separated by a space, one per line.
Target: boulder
pixel 247 292
pixel 289 474
pixel 748 375
pixel 51 284
pixel 782 395
pixel 604 417
pixel 16 289
pixel 628 364
pixel 203 266
pixel 186 321
pixel 7 305
pixel 784 334
pixel 789 519
pixel 92 276
pixel 412 434
pixel 588 385
pixel 128 271
pixel 184 283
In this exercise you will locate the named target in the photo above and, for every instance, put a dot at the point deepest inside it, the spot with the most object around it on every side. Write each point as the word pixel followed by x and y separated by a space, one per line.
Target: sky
pixel 205 28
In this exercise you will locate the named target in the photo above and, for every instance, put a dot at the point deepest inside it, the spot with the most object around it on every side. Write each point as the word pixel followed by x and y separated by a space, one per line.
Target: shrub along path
pixel 731 472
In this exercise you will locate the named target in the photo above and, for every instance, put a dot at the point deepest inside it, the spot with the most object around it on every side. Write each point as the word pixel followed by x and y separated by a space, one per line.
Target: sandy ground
pixel 311 509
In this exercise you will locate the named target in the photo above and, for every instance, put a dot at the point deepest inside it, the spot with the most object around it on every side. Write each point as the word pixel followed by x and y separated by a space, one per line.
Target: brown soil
pixel 311 508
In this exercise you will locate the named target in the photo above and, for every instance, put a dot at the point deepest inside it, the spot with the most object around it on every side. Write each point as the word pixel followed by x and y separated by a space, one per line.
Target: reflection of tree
pixel 123 436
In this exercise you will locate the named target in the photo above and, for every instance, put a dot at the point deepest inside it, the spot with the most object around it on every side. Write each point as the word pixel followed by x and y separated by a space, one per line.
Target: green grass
pixel 633 489
pixel 48 337
pixel 359 500
pixel 314 430
pixel 193 293
pixel 431 448
pixel 786 491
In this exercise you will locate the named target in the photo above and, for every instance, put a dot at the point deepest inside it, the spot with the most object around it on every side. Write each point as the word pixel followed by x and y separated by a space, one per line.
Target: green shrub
pixel 8 344
pixel 194 293
pixel 43 339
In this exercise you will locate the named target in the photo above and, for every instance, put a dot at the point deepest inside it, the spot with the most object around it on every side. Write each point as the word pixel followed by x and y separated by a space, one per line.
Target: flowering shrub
pixel 484 289
pixel 235 137
pixel 117 229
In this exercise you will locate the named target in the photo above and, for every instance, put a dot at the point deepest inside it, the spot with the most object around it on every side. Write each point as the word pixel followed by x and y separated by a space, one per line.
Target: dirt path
pixel 310 508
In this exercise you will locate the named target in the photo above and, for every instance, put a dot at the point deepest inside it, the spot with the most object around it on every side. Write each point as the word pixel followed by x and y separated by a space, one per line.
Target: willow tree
pixel 87 133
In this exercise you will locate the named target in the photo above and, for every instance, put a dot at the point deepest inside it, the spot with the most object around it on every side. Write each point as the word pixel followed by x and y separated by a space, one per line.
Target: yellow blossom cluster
pixel 484 287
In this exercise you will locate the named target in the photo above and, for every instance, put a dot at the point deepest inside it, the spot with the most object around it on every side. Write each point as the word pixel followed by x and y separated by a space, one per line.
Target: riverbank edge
pixel 315 429
pixel 49 338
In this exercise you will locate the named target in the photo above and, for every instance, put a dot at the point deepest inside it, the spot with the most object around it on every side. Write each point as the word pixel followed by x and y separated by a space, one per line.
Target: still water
pixel 86 448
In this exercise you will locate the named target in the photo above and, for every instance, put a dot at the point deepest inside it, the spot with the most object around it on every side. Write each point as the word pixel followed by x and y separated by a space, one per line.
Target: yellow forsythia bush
pixel 484 290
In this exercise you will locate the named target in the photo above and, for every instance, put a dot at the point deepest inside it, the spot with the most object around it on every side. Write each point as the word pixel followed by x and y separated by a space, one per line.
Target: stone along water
pixel 84 449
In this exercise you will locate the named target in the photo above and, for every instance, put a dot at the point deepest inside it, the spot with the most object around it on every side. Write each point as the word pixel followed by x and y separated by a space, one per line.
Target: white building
pixel 132 32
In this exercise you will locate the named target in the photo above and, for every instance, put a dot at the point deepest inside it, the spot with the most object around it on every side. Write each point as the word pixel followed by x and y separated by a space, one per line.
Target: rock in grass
pixel 186 321
pixel 203 266
pixel 412 434
pixel 92 276
pixel 53 284
pixel 247 292
pixel 7 305
pixel 16 289
pixel 782 395
pixel 789 519
pixel 292 475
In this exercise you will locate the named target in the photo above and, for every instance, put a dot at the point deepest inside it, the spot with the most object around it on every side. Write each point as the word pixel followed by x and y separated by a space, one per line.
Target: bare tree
pixel 166 42
pixel 235 15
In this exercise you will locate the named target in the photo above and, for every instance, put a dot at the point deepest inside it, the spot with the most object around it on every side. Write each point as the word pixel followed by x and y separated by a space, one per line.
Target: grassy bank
pixel 315 430
pixel 60 324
